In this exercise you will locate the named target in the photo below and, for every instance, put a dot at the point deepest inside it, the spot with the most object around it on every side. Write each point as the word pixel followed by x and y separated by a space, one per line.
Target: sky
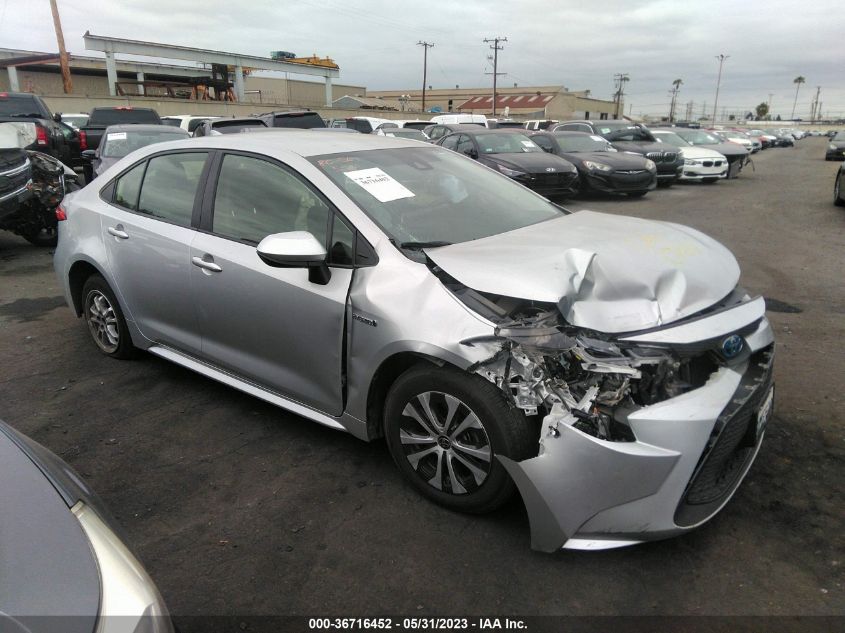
pixel 577 44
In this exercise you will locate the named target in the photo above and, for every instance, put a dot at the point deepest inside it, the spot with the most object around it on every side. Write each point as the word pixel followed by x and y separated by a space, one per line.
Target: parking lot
pixel 236 507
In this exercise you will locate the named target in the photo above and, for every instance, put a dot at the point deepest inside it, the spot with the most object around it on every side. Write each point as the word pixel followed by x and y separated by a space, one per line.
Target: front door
pixel 269 325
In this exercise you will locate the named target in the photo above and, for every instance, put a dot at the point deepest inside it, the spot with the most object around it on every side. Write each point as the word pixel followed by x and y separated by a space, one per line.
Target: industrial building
pixel 524 102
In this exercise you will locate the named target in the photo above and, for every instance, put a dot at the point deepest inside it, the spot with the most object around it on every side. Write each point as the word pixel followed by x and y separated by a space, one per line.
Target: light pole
pixel 797 81
pixel 721 59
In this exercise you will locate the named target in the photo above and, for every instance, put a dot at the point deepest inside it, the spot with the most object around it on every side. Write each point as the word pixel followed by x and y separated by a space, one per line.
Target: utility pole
pixel 721 59
pixel 425 46
pixel 619 80
pixel 676 88
pixel 690 105
pixel 815 106
pixel 496 48
pixel 67 83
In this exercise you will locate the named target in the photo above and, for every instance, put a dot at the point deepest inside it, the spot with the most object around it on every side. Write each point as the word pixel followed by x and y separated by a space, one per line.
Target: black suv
pixel 51 138
pixel 634 138
pixel 305 119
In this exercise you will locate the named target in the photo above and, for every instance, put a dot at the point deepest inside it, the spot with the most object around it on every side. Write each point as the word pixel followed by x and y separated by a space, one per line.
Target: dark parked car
pixel 627 136
pixel 101 118
pixel 600 166
pixel 736 154
pixel 839 187
pixel 836 147
pixel 437 131
pixel 62 565
pixel 304 119
pixel 120 140
pixel 216 127
pixel 513 154
pixel 20 107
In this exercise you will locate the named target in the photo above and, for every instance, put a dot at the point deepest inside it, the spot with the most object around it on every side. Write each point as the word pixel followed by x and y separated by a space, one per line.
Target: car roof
pixel 559 133
pixel 139 127
pixel 304 143
pixel 475 129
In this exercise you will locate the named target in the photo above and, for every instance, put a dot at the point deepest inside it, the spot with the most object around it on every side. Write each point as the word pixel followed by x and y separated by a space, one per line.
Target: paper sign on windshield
pixel 117 136
pixel 379 185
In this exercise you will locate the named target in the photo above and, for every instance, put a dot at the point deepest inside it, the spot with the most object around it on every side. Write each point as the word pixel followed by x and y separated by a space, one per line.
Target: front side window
pixel 543 142
pixel 429 194
pixel 256 198
pixel 127 187
pixel 170 186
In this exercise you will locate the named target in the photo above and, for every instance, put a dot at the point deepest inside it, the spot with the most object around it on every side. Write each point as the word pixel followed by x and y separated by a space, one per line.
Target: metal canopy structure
pixel 112 45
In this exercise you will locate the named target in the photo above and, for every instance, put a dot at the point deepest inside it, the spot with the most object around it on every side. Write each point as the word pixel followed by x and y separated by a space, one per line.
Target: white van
pixel 477 119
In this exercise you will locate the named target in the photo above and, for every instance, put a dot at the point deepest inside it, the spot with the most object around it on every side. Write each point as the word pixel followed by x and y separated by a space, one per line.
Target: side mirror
pixel 89 154
pixel 548 150
pixel 296 249
pixel 471 153
pixel 57 116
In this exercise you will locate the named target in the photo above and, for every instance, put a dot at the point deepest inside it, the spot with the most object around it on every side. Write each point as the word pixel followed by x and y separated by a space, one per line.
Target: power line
pixel 495 48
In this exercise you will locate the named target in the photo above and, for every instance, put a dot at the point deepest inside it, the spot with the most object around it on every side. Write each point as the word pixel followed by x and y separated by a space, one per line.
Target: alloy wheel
pixel 445 443
pixel 102 321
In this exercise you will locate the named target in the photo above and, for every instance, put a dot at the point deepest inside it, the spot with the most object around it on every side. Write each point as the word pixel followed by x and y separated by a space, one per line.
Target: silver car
pixel 606 367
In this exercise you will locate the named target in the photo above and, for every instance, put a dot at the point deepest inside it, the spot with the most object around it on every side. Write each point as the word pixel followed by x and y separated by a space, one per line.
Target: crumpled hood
pixel 608 273
pixel 530 162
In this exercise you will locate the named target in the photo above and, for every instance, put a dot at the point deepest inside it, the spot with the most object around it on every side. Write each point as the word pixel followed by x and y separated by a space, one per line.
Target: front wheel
pixel 444 429
pixel 837 194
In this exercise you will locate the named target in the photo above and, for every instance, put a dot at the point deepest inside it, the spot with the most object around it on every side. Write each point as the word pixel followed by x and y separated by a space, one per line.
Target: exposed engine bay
pixel 572 376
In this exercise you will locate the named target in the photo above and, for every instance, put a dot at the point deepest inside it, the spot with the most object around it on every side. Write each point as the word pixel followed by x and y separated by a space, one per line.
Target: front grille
pixel 732 445
pixel 630 171
pixel 549 181
pixel 14 180
pixel 707 163
pixel 662 157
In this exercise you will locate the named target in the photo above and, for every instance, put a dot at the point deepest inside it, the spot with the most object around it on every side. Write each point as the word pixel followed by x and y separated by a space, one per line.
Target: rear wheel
pixel 104 319
pixel 444 429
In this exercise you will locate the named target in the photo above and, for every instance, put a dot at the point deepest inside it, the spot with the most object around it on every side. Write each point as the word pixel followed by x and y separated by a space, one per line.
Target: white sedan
pixel 700 164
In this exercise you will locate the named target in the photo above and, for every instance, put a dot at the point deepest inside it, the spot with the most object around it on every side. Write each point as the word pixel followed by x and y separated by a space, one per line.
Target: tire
pixel 104 318
pixel 47 236
pixel 665 184
pixel 482 421
pixel 837 194
pixel 637 194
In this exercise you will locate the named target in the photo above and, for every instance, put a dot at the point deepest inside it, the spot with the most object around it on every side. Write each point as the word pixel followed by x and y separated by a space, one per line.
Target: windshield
pixel 234 127
pixel 119 144
pixel 505 144
pixel 698 137
pixel 429 194
pixel 75 121
pixel 582 143
pixel 407 133
pixel 840 136
pixel 671 138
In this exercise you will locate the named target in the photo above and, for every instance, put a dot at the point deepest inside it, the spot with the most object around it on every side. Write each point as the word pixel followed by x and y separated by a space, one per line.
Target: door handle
pixel 118 232
pixel 206 264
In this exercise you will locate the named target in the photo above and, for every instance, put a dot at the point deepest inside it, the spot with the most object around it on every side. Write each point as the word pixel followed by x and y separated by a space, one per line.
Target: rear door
pixel 270 325
pixel 147 230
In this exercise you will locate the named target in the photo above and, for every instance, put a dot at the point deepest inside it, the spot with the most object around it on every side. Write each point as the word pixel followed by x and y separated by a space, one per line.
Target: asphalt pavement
pixel 239 508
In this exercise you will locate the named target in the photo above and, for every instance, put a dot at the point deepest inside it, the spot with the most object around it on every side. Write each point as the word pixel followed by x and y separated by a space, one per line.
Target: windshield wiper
pixel 416 246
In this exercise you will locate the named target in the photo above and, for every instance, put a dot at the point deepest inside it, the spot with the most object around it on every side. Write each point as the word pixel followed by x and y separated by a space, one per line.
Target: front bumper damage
pixel 646 471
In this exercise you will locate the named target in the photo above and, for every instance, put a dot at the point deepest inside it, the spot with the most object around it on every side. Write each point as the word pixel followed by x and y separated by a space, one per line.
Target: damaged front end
pixel 627 420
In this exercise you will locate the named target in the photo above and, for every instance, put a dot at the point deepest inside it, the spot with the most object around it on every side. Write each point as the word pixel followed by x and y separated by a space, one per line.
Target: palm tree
pixel 797 81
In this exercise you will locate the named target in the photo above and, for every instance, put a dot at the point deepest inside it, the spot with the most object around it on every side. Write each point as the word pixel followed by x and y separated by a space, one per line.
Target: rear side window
pixel 170 186
pixel 127 187
pixel 361 125
pixel 255 198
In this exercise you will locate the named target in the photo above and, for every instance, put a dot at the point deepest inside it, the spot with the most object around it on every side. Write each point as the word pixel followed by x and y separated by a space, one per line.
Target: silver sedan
pixel 607 368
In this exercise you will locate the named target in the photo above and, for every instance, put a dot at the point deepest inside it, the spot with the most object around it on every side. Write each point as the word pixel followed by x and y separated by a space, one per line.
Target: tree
pixel 762 110
pixel 797 81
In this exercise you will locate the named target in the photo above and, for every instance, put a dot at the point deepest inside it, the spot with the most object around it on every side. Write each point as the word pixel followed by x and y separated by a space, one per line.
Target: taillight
pixel 61 214
pixel 41 136
pixel 83 141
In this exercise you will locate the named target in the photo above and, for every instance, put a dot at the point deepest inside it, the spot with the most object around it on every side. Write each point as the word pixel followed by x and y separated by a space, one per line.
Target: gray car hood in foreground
pixel 608 273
